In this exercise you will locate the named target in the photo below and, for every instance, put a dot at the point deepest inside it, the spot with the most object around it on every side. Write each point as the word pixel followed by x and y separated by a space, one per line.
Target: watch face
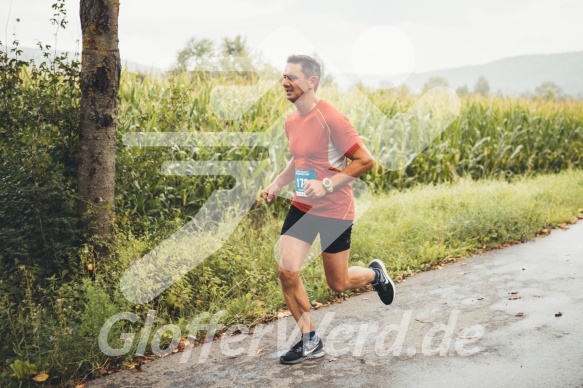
pixel 327 183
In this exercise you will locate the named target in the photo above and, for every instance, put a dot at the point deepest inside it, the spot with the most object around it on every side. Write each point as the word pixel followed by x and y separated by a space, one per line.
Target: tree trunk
pixel 99 82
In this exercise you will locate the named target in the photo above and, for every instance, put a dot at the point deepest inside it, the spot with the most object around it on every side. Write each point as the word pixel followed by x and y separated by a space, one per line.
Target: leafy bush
pixel 39 115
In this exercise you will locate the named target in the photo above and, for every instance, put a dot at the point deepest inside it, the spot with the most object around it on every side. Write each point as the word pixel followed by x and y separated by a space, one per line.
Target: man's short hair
pixel 310 67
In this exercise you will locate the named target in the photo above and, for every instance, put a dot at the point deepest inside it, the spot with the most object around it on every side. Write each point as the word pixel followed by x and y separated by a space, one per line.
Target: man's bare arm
pixel 362 161
pixel 283 179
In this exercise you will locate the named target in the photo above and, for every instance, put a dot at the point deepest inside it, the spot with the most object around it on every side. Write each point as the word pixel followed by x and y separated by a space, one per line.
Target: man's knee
pixel 337 285
pixel 288 278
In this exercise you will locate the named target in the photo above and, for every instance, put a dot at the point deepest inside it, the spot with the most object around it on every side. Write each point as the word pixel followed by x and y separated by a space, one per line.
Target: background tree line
pixel 545 91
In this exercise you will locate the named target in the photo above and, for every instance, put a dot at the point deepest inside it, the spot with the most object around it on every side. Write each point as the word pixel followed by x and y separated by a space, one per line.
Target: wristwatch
pixel 327 183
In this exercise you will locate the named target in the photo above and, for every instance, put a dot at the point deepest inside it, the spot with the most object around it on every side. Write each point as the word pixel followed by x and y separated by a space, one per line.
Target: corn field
pixel 491 137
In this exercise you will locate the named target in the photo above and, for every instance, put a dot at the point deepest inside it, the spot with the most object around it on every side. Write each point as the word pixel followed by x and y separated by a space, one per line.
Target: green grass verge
pixel 423 226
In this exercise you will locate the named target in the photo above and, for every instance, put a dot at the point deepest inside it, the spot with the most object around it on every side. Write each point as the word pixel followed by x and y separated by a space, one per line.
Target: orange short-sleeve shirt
pixel 320 142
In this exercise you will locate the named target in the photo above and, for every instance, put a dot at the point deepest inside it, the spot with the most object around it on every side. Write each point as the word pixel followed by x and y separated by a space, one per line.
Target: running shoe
pixel 303 350
pixel 384 286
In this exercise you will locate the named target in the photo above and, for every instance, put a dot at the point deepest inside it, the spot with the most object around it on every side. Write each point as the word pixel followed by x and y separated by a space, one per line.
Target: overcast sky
pixel 353 36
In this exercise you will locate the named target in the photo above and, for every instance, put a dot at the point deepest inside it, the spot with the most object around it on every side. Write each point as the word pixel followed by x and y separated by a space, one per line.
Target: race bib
pixel 301 177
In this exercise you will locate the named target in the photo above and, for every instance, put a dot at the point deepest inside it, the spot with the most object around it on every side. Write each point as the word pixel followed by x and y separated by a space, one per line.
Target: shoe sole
pixel 387 276
pixel 319 354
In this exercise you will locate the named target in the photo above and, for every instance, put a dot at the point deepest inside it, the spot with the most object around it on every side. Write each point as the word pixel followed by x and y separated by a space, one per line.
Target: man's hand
pixel 314 189
pixel 271 191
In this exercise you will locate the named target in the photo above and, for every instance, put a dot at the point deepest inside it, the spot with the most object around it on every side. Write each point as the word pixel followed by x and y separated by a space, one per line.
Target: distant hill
pixel 515 75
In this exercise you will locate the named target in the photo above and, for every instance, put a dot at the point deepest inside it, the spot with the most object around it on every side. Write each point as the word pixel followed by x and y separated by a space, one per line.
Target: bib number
pixel 301 177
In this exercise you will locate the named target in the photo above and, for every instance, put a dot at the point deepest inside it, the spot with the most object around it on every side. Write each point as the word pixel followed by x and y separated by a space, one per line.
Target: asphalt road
pixel 509 317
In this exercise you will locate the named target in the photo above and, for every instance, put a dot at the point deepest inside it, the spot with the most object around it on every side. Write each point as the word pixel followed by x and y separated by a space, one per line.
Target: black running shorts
pixel 334 233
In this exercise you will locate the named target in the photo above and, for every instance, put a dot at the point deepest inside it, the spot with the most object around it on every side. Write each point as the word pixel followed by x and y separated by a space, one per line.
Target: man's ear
pixel 313 81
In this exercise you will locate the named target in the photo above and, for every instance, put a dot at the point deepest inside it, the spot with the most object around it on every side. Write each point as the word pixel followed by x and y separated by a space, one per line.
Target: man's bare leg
pixel 292 253
pixel 340 277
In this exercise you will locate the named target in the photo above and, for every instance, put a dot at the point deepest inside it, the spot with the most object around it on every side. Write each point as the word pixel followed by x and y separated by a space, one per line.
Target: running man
pixel 320 142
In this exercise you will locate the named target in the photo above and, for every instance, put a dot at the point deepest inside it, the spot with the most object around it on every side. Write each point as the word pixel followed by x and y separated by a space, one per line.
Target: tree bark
pixel 99 83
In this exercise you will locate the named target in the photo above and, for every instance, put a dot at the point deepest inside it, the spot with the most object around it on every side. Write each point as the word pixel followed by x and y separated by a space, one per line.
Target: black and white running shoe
pixel 303 350
pixel 384 286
